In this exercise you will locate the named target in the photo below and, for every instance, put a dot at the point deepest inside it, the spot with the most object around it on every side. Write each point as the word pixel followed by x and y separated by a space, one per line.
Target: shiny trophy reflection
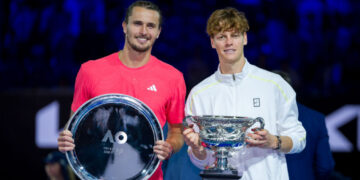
pixel 222 134
pixel 114 135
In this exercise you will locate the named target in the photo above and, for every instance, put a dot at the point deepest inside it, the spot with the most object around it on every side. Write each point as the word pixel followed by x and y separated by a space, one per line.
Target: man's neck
pixel 56 178
pixel 232 68
pixel 132 58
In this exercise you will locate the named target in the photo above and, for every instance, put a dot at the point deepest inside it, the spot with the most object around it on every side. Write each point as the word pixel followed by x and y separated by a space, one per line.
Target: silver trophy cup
pixel 222 134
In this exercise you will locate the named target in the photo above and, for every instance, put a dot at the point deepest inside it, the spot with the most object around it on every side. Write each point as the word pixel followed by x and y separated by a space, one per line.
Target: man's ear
pixel 212 42
pixel 124 27
pixel 158 33
pixel 245 41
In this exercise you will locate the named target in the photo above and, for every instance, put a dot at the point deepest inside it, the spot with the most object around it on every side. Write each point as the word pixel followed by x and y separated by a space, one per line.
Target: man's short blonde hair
pixel 226 19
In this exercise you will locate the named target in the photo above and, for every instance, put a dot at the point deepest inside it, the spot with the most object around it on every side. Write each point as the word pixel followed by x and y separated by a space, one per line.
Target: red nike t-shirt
pixel 159 85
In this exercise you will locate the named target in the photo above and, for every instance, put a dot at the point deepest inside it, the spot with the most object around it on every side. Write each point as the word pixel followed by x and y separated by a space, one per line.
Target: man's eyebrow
pixel 151 24
pixel 141 22
pixel 137 21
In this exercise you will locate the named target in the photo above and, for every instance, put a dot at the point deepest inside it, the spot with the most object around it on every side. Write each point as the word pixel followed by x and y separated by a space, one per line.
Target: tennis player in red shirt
pixel 134 71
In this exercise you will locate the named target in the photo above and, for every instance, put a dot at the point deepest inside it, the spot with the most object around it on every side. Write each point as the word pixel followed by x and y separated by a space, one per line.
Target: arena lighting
pixel 337 119
pixel 47 127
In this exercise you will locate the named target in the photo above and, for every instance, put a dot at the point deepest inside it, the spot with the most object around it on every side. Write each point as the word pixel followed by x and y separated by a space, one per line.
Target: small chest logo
pixel 152 88
pixel 256 102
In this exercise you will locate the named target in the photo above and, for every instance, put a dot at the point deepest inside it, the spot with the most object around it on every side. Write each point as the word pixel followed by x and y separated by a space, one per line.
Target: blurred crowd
pixel 44 42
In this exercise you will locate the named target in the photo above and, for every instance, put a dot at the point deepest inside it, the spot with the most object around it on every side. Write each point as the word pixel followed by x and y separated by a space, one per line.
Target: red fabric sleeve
pixel 81 91
pixel 175 107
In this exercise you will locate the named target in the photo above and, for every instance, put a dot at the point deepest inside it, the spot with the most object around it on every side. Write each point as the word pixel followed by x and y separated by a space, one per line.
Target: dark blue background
pixel 43 42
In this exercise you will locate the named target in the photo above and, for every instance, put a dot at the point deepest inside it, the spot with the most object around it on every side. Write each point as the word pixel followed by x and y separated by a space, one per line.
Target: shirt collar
pixel 233 79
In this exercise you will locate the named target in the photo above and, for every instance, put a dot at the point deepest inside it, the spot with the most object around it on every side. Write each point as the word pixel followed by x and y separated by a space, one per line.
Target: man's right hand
pixel 65 141
pixel 192 139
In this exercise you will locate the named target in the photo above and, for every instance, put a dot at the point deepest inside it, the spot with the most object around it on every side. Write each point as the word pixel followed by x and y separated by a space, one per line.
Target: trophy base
pixel 219 174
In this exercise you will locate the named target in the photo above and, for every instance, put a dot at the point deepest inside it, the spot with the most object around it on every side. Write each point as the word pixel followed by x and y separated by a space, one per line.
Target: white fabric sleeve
pixel 201 164
pixel 190 109
pixel 189 105
pixel 290 126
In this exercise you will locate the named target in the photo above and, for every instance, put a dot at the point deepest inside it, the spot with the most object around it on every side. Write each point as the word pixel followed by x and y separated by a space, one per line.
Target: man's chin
pixel 140 49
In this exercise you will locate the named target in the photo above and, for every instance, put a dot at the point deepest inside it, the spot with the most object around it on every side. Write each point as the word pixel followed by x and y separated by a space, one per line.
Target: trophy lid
pixel 114 135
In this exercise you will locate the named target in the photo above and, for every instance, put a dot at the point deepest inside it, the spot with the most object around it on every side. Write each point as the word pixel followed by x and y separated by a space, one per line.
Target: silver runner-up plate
pixel 114 135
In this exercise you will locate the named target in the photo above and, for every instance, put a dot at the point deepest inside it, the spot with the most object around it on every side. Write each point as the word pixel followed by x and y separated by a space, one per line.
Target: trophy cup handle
pixel 185 123
pixel 261 121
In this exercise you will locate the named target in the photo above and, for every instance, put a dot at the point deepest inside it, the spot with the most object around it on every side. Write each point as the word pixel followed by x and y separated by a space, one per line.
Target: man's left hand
pixel 261 138
pixel 163 150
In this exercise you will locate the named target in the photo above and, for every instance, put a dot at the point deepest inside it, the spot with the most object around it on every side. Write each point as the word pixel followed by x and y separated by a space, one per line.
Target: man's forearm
pixel 199 153
pixel 286 144
pixel 175 137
